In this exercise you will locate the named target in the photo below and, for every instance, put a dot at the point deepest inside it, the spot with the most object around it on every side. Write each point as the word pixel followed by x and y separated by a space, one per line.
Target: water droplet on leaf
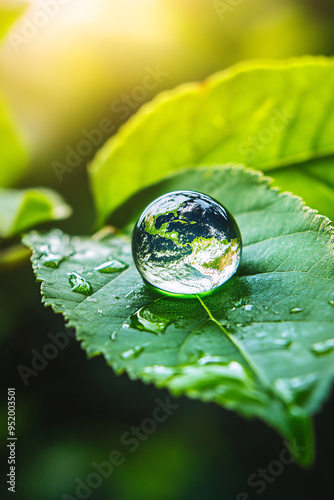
pixel 52 260
pixel 132 353
pixel 79 284
pixel 146 320
pixel 295 310
pixel 195 356
pixel 296 389
pixel 331 302
pixel 113 336
pixel 248 307
pixel 282 342
pixel 111 266
pixel 52 254
pixel 186 243
pixel 324 347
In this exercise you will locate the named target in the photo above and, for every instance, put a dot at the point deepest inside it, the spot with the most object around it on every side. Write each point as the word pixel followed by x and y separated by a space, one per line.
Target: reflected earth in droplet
pixel 186 243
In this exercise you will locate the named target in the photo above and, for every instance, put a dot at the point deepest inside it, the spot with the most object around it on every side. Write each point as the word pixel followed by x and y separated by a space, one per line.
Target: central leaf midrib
pixel 235 343
pixel 258 376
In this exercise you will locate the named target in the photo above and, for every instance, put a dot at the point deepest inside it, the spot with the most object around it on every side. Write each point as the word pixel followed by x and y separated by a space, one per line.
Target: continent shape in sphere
pixel 186 243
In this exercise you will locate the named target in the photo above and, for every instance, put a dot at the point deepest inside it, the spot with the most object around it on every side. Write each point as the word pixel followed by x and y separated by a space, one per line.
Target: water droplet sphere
pixel 186 243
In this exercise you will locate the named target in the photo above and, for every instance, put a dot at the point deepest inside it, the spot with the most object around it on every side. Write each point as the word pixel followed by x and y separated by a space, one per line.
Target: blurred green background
pixel 64 67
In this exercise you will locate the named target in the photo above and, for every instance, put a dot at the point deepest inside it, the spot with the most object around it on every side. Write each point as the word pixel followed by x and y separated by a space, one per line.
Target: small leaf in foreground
pixel 241 347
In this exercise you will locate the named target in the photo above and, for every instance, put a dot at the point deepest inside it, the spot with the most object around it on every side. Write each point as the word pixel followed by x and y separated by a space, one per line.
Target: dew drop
pixel 282 342
pixel 206 359
pixel 146 320
pixel 297 388
pixel 52 260
pixel 159 370
pixel 52 254
pixel 195 356
pixel 331 302
pixel 113 336
pixel 79 284
pixel 186 243
pixel 295 310
pixel 111 266
pixel 324 347
pixel 100 311
pixel 248 307
pixel 132 353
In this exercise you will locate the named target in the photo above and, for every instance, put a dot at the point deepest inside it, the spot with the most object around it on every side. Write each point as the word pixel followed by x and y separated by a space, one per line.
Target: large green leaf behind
pixel 14 150
pixel 262 346
pixel 274 116
pixel 14 155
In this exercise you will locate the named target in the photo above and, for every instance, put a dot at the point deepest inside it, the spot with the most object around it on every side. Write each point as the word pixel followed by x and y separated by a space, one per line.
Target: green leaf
pixel 14 150
pixel 246 347
pixel 275 116
pixel 20 209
